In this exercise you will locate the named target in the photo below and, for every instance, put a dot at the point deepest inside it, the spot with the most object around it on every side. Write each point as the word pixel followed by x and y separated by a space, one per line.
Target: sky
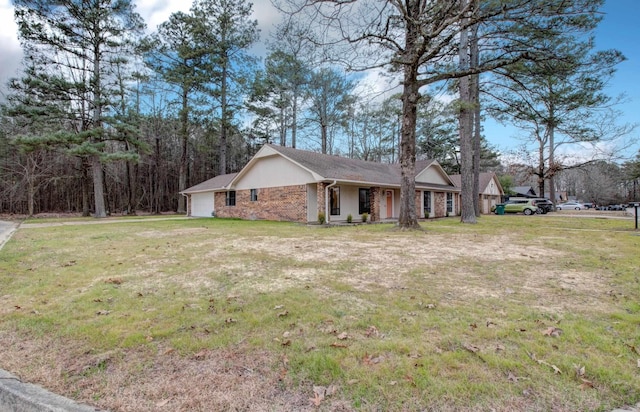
pixel 619 29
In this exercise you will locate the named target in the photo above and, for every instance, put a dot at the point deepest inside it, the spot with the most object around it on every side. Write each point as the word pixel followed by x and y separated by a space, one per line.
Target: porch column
pixel 320 198
pixel 375 200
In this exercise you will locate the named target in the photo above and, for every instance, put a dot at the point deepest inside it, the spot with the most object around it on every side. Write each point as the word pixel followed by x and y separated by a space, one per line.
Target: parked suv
pixel 520 205
pixel 545 205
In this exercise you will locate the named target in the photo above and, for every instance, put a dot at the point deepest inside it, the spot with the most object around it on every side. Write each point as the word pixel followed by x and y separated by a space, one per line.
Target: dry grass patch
pixel 217 314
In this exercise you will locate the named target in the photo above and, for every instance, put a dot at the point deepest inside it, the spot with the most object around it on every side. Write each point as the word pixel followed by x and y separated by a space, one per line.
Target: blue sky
pixel 619 29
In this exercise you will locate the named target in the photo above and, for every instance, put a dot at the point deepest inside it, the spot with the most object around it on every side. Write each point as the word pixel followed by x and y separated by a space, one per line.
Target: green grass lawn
pixel 514 313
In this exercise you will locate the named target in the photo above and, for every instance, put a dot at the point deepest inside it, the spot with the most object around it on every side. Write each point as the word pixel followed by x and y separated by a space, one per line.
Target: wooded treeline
pixel 106 119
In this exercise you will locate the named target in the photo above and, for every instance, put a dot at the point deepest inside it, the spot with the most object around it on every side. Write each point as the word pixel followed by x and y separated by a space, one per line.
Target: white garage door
pixel 202 204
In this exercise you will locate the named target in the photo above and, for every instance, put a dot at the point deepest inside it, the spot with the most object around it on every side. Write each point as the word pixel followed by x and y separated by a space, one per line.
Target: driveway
pixel 6 230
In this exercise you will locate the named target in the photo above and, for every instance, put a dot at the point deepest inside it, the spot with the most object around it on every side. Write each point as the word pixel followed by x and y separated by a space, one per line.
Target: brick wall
pixel 287 203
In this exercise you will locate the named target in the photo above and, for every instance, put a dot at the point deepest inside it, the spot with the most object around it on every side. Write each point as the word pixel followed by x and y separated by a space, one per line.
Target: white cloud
pixel 10 51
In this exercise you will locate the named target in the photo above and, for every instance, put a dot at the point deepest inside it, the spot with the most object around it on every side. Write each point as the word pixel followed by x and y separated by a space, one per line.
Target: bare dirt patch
pixel 448 268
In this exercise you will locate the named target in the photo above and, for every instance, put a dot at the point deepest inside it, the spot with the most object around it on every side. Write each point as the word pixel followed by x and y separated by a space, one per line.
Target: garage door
pixel 202 204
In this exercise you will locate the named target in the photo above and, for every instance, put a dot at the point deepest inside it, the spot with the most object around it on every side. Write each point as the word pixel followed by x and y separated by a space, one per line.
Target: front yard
pixel 515 313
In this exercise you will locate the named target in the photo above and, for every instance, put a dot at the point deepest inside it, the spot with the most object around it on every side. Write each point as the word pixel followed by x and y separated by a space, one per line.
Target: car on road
pixel 570 206
pixel 617 207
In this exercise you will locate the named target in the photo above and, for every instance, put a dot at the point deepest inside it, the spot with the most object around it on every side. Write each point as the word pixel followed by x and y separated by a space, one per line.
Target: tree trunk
pixel 466 133
pixel 323 136
pixel 552 165
pixel 96 164
pixel 98 186
pixel 86 188
pixel 410 96
pixel 184 140
pixel 223 121
pixel 541 172
pixel 477 135
pixel 294 118
pixel 283 128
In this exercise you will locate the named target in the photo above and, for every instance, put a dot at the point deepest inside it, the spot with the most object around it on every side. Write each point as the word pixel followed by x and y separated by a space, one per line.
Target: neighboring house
pixel 282 183
pixel 524 191
pixel 490 190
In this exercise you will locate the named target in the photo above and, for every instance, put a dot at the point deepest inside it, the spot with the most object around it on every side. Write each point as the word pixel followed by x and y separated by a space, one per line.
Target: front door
pixel 389 204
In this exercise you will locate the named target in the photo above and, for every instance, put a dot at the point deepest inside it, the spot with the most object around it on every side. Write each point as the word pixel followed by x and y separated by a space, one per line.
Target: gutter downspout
pixel 188 198
pixel 326 200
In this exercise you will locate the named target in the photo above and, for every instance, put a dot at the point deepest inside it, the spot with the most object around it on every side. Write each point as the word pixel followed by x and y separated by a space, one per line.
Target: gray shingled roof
pixel 345 169
pixel 218 182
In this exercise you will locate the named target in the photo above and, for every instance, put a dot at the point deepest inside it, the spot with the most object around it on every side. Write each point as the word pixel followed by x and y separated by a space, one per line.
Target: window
pixel 231 198
pixel 426 202
pixel 334 199
pixel 450 202
pixel 254 195
pixel 364 203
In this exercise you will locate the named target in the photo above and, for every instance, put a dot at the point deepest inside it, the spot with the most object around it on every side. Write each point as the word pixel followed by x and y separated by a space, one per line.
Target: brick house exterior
pixel 286 203
pixel 287 184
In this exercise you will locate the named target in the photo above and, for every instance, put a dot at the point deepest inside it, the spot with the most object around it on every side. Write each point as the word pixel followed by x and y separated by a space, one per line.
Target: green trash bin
pixel 500 209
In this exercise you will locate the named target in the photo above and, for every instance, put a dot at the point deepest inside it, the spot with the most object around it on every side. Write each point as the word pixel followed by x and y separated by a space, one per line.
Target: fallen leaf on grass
pixel 471 348
pixel 321 392
pixel 283 374
pixel 371 359
pixel 552 331
pixel 200 355
pixel 410 379
pixel 162 403
pixel 371 331
pixel 338 345
pixel 633 348
pixel 513 378
pixel 586 384
pixel 542 362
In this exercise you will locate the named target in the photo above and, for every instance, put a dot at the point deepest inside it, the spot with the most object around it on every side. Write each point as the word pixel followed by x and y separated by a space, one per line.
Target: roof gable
pixel 484 183
pixel 430 171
